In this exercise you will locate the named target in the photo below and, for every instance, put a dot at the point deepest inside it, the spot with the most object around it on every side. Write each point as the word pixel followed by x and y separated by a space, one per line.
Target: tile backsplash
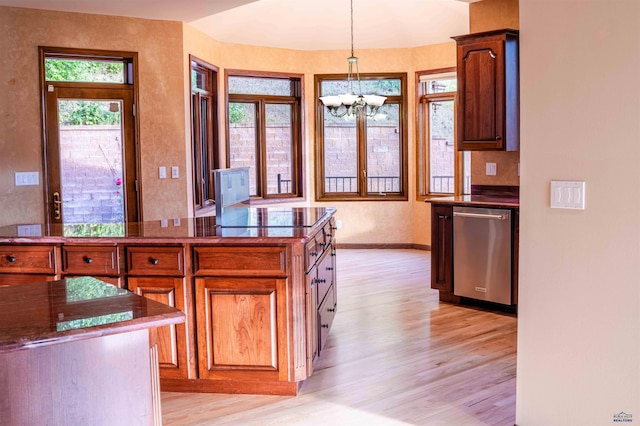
pixel 506 165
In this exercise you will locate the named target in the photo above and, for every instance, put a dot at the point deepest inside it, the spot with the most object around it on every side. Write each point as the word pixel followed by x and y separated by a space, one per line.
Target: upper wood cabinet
pixel 488 91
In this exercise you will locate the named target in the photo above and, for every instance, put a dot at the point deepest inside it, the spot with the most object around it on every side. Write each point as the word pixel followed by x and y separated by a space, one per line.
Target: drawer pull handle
pixel 11 259
pixel 87 259
pixel 329 268
pixel 325 325
pixel 331 309
pixel 153 261
pixel 314 253
pixel 323 244
pixel 321 281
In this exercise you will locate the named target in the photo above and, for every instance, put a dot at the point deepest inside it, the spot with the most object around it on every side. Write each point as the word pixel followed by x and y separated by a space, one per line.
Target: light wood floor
pixel 395 356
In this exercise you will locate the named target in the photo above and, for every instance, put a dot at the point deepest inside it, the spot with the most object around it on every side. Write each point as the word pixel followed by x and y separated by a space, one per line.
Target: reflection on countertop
pixel 251 222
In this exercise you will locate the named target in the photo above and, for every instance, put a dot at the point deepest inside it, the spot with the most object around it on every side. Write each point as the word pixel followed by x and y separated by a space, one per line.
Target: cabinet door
pixel 442 248
pixel 481 92
pixel 241 328
pixel 172 340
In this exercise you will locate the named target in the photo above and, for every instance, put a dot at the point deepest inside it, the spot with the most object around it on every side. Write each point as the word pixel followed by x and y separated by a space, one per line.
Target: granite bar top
pixel 240 222
pixel 53 312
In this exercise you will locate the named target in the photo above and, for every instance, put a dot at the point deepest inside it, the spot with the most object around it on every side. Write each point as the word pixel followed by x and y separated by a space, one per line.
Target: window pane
pixel 386 87
pixel 340 155
pixel 259 86
pixel 204 149
pixel 83 70
pixel 441 85
pixel 383 151
pixel 442 150
pixel 242 139
pixel 279 148
pixel 466 166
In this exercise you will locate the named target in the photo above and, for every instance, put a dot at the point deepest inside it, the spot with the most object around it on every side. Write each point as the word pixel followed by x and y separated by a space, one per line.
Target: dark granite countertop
pixel 45 313
pixel 240 222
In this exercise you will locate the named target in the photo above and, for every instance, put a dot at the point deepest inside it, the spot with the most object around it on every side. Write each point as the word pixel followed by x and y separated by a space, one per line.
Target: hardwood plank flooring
pixel 395 356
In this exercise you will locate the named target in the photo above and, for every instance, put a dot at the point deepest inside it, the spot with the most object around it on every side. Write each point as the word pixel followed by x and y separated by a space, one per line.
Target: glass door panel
pixel 340 155
pixel 243 139
pixel 279 143
pixel 383 150
pixel 442 155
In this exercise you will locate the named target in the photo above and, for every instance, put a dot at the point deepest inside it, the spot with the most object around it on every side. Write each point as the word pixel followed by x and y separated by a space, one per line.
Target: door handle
pixel 57 210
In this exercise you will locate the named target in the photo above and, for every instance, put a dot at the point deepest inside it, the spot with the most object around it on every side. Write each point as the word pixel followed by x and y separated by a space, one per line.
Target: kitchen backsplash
pixel 506 168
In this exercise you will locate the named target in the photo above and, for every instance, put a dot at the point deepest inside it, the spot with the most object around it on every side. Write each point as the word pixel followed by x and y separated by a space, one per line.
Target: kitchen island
pixel 259 292
pixel 442 241
pixel 78 351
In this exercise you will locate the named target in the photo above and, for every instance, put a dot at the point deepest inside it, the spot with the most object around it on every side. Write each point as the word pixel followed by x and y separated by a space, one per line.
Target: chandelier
pixel 351 103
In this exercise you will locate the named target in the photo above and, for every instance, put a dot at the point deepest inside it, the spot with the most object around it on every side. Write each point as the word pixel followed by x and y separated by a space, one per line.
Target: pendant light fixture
pixel 351 103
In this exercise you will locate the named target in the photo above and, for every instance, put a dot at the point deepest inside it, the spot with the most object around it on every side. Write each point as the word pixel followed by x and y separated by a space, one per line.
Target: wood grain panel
pixel 242 328
pixel 90 260
pixel 234 261
pixel 155 260
pixel 171 339
pixel 25 259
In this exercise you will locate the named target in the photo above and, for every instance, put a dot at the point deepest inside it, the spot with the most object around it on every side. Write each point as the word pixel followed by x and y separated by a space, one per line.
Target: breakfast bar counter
pixel 73 350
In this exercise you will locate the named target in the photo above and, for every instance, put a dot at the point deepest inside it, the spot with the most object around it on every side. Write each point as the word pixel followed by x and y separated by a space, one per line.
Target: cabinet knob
pixel 325 325
pixel 153 261
pixel 87 259
pixel 11 259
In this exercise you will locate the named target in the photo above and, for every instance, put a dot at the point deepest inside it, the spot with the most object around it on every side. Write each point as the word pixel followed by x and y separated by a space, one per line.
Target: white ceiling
pixel 294 24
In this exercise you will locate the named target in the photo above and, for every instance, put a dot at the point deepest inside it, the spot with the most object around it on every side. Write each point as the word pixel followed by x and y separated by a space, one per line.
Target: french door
pixel 91 166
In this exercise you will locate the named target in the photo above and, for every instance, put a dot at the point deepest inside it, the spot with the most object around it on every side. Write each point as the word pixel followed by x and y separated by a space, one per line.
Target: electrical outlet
pixel 492 169
pixel 174 172
pixel 176 222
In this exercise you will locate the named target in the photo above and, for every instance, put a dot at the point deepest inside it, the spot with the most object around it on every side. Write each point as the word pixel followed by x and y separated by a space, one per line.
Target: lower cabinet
pixel 442 250
pixel 171 339
pixel 23 264
pixel 242 328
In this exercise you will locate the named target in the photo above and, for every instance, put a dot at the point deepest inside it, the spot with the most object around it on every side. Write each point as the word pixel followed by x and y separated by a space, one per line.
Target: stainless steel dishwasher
pixel 482 253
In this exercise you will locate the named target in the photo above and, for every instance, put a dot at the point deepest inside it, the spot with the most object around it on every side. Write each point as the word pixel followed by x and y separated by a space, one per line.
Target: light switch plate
pixel 27 178
pixel 567 194
pixel 492 169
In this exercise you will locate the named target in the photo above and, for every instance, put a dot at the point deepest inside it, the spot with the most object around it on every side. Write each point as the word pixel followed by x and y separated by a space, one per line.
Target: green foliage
pixel 73 113
pixel 94 230
pixel 80 70
pixel 236 113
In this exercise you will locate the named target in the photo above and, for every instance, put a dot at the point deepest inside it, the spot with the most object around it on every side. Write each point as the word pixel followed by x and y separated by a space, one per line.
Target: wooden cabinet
pixel 100 261
pixel 488 112
pixel 28 263
pixel 321 282
pixel 158 273
pixel 442 251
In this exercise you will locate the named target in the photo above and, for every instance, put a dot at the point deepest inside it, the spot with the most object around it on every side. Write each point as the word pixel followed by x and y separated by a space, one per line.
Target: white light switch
pixel 174 172
pixel 492 169
pixel 27 178
pixel 162 172
pixel 567 194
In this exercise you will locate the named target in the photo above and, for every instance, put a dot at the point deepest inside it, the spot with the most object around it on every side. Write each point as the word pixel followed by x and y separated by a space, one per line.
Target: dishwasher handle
pixel 481 215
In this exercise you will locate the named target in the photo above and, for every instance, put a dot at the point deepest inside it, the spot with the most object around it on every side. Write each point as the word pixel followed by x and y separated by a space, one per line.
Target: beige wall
pixel 362 222
pixel 162 125
pixel 490 15
pixel 579 312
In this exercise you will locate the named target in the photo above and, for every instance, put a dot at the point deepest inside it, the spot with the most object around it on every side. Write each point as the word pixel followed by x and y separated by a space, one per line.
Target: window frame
pixel 211 161
pixel 423 148
pixel 297 125
pixel 362 194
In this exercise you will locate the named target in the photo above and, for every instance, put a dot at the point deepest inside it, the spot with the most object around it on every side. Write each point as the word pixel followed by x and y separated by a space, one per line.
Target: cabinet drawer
pixel 325 275
pixel 230 261
pixel 28 259
pixel 326 313
pixel 313 251
pixel 90 260
pixel 155 260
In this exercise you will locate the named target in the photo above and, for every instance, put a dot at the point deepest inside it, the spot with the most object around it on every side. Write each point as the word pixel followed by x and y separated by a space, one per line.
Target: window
pixel 441 168
pixel 263 133
pixel 362 158
pixel 204 135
